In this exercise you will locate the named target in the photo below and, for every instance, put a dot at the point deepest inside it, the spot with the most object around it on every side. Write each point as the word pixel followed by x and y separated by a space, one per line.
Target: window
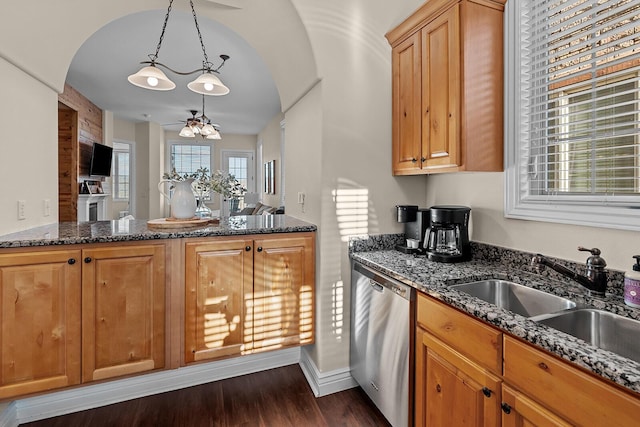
pixel 188 158
pixel 121 171
pixel 573 111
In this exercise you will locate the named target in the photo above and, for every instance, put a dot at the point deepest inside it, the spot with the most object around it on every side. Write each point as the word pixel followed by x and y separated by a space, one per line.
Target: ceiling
pixel 100 68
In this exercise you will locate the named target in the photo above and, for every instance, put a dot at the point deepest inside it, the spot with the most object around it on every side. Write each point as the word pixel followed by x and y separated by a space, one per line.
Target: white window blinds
pixel 577 103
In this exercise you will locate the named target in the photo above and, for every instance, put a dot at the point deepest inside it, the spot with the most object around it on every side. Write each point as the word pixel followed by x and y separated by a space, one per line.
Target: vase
pixel 182 200
pixel 202 210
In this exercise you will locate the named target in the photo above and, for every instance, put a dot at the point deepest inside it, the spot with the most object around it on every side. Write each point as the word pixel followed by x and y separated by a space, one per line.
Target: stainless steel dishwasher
pixel 381 311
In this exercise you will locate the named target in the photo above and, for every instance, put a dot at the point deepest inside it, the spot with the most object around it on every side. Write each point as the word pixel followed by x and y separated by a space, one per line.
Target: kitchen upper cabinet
pixel 219 278
pixel 447 88
pixel 40 314
pixel 245 295
pixel 123 309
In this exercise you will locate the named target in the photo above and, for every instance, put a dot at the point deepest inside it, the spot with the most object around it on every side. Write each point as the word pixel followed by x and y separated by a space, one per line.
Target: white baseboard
pixel 93 396
pixel 324 383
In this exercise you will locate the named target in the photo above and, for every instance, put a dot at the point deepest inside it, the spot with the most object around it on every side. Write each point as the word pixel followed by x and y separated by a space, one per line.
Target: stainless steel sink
pixel 514 297
pixel 600 328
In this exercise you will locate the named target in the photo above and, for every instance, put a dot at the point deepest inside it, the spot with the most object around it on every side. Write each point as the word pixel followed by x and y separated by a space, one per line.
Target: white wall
pixel 28 160
pixel 271 150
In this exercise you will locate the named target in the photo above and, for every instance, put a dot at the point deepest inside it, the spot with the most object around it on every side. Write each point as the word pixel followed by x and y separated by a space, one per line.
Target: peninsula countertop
pixel 69 233
pixel 434 278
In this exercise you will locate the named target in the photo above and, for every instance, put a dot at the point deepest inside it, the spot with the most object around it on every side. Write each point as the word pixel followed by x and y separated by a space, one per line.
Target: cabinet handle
pixel 505 408
pixel 486 391
pixel 438 388
pixel 247 248
pixel 71 261
pixel 259 248
pixel 87 260
pixel 543 365
pixel 413 160
pixel 423 159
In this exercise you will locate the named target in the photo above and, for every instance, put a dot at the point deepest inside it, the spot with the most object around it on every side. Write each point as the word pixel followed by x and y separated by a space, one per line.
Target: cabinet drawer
pixel 571 393
pixel 470 337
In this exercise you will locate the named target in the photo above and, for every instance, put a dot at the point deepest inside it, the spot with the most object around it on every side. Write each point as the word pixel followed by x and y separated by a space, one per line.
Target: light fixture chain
pixel 164 27
pixel 206 64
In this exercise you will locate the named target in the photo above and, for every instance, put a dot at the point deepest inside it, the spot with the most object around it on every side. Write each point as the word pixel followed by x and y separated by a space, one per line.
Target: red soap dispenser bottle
pixel 632 284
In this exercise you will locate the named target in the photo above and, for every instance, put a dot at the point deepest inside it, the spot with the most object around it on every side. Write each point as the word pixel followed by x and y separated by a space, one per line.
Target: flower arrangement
pixel 219 182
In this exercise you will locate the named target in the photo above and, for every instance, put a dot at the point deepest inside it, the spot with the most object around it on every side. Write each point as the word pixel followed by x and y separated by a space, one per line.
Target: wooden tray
pixel 173 223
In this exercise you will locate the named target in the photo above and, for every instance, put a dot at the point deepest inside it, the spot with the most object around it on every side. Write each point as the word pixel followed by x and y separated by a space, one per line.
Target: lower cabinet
pixel 40 314
pixel 245 295
pixel 123 308
pixel 451 389
pixel 458 382
pixel 520 411
pixel 457 374
pixel 79 315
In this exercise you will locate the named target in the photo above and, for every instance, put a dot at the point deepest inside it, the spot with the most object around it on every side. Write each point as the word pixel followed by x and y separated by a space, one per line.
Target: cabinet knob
pixel 71 261
pixel 505 408
pixel 247 248
pixel 259 248
pixel 414 160
pixel 486 391
pixel 423 159
pixel 87 260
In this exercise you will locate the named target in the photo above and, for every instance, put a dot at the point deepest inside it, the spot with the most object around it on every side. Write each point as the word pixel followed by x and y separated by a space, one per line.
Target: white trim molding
pixel 325 383
pixel 93 396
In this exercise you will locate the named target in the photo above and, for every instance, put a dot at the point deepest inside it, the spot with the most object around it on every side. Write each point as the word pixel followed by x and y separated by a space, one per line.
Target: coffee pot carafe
pixel 447 238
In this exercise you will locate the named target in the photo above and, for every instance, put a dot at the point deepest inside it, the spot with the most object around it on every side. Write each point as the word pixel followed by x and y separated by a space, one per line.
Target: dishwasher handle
pixel 381 282
pixel 376 286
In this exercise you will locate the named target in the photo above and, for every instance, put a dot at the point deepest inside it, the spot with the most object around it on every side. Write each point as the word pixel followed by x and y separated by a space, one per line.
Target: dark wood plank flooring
pixel 275 398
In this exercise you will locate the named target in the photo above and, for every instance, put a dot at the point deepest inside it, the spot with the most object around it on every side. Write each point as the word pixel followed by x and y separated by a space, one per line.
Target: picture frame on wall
pixel 270 177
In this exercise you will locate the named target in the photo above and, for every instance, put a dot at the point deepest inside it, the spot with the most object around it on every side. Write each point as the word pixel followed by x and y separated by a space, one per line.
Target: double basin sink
pixel 600 328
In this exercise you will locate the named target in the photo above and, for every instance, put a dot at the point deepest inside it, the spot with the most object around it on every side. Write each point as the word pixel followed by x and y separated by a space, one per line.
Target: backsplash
pixel 481 251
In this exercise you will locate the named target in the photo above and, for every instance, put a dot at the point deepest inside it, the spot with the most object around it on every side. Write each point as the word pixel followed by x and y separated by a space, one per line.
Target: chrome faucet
pixel 595 279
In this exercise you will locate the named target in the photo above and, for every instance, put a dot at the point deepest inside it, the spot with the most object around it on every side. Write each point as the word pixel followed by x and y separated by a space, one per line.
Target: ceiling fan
pixel 199 125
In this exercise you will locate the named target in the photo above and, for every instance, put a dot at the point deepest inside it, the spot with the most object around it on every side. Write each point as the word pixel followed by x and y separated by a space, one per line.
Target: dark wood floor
pixel 275 398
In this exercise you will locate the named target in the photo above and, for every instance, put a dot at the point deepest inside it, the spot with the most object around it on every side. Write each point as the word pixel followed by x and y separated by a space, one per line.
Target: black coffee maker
pixel 416 223
pixel 447 238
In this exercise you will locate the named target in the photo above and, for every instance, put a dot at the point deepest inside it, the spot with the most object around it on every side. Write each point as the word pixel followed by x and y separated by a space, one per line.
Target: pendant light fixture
pixel 207 83
pixel 199 126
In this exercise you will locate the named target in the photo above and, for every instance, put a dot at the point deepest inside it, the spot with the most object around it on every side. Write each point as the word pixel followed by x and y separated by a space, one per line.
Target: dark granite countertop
pixel 433 278
pixel 68 233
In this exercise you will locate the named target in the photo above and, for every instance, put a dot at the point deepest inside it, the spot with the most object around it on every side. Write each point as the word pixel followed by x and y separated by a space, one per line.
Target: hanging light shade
pixel 187 132
pixel 151 77
pixel 208 84
pixel 214 135
pixel 207 129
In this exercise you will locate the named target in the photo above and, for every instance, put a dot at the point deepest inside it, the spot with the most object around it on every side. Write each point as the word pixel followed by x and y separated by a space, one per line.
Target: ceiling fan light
pixel 214 135
pixel 207 129
pixel 208 84
pixel 187 132
pixel 151 77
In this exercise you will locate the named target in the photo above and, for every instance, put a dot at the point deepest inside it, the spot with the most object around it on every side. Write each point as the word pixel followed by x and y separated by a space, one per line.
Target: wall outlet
pixel 21 209
pixel 301 198
pixel 46 207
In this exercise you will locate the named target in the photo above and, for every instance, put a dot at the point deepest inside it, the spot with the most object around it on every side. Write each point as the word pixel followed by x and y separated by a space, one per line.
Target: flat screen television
pixel 101 157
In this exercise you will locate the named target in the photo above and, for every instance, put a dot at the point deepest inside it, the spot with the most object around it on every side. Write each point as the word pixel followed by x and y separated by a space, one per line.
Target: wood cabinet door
pixel 441 77
pixel 123 297
pixel 218 287
pixel 520 411
pixel 451 389
pixel 406 65
pixel 40 335
pixel 283 292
